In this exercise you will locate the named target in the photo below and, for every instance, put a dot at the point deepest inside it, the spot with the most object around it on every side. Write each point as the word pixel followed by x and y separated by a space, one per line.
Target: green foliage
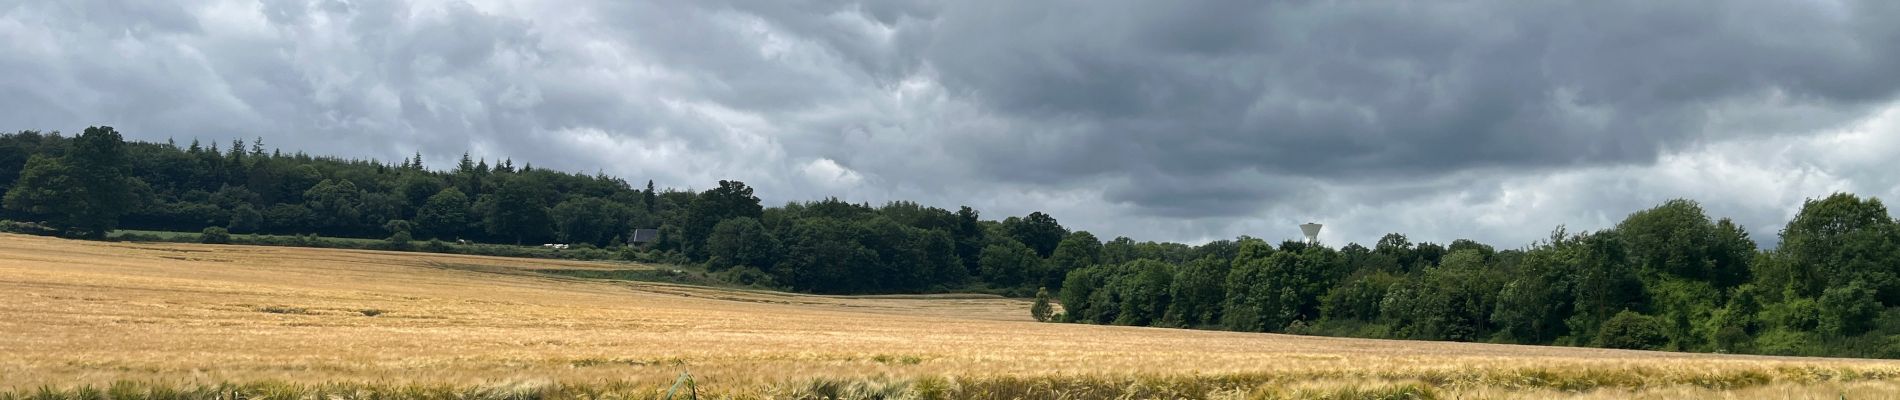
pixel 1079 286
pixel 1604 282
pixel 1677 239
pixel 444 214
pixel 1785 342
pixel 246 219
pixel 1358 298
pixel 1731 329
pixel 748 276
pixel 83 192
pixel 1009 263
pixel 1134 293
pixel 731 199
pixel 1532 307
pixel 214 235
pixel 1453 301
pixel 336 205
pixel 589 220
pixel 1142 291
pixel 518 209
pixel 1039 231
pixel 1847 310
pixel 1041 310
pixel 1840 239
pixel 1681 304
pixel 1267 291
pixel 1078 250
pixel 46 187
pixel 400 240
pixel 743 242
pixel 836 255
pixel 1632 330
pixel 1799 314
pixel 1198 291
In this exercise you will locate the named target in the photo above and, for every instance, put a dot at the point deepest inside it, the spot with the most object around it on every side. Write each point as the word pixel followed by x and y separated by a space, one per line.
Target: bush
pixel 399 240
pixel 747 276
pixel 30 228
pixel 1783 342
pixel 370 312
pixel 1041 310
pixel 136 237
pixel 1631 330
pixel 215 235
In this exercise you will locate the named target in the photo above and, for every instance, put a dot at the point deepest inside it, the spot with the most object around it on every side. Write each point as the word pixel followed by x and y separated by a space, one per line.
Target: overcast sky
pixel 1174 120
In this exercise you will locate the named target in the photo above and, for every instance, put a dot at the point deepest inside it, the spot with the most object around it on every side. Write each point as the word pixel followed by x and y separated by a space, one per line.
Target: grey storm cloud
pixel 1356 89
pixel 1158 120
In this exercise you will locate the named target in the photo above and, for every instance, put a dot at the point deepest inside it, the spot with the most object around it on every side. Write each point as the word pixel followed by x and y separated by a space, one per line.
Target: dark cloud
pixel 1173 121
pixel 1348 90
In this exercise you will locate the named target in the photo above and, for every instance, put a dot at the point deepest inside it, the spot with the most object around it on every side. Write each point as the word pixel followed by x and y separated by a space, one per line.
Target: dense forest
pixel 1670 277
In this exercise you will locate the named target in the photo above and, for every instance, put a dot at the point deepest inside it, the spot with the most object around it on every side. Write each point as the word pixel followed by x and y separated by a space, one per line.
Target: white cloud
pixel 828 173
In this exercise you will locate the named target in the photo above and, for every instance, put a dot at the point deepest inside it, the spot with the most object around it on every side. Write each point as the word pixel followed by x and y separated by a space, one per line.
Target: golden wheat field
pixel 77 316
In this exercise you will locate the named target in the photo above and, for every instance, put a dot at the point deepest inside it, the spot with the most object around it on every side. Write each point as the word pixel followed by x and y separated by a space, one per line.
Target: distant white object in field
pixel 1312 232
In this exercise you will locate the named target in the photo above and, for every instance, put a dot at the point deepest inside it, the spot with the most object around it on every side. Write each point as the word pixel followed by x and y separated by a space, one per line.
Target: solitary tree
pixel 1041 310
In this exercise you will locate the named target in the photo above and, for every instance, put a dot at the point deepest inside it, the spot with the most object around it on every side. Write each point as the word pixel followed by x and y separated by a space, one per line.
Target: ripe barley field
pixel 83 319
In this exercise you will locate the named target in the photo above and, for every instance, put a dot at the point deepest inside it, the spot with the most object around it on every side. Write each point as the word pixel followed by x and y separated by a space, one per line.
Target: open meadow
pixel 247 321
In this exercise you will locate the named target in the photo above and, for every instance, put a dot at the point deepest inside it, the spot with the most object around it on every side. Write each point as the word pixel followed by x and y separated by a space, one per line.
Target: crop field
pixel 85 319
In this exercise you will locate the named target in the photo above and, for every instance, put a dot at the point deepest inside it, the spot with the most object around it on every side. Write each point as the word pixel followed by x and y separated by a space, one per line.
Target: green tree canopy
pixel 85 191
pixel 741 242
pixel 444 215
pixel 1039 231
pixel 519 210
pixel 1078 250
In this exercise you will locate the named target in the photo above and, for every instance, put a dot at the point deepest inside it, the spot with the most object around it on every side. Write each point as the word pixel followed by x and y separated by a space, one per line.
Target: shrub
pixel 30 228
pixel 399 240
pixel 747 276
pixel 284 310
pixel 136 237
pixel 1783 342
pixel 215 235
pixel 1041 310
pixel 370 312
pixel 1631 330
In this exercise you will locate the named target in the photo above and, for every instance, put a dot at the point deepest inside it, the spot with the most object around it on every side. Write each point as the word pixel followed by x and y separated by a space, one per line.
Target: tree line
pixel 1669 277
pixel 1666 278
pixel 91 184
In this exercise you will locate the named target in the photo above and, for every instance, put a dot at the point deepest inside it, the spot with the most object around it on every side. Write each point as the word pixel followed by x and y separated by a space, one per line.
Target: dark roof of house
pixel 645 235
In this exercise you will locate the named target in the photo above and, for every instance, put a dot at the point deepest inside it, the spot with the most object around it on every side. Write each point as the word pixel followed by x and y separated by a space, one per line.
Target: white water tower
pixel 1312 232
